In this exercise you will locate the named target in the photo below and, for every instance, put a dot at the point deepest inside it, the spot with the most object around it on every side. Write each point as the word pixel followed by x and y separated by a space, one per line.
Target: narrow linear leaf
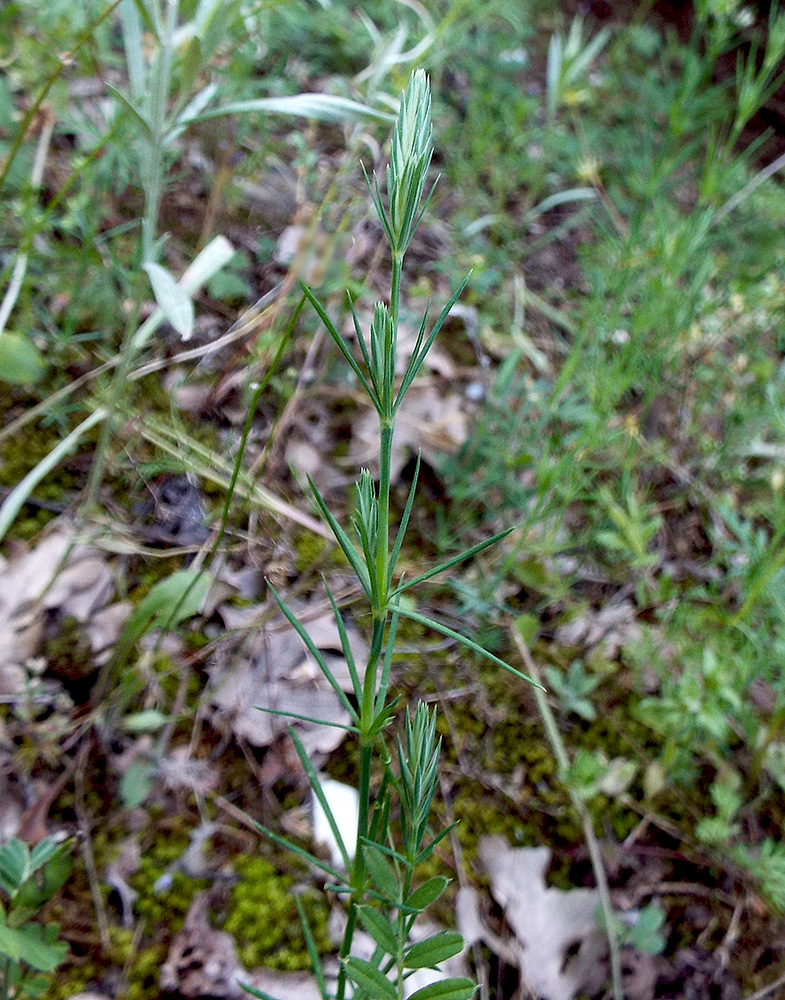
pixel 416 361
pixel 452 562
pixel 384 712
pixel 380 816
pixel 318 791
pixel 468 643
pixel 339 342
pixel 396 549
pixel 370 979
pixel 363 346
pixel 306 718
pixel 388 852
pixel 429 953
pixel 428 850
pixel 309 858
pixel 343 540
pixel 376 198
pixel 313 951
pixel 322 107
pixel 310 645
pixel 130 106
pixel 254 992
pixel 346 648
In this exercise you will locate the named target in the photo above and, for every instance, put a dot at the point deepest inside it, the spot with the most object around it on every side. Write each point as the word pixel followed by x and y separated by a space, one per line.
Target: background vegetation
pixel 610 387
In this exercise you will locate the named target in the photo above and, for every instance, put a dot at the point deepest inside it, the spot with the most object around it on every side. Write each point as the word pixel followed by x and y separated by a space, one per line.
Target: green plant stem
pixel 383 522
pixel 116 389
pixel 358 866
pixel 160 103
pixel 563 765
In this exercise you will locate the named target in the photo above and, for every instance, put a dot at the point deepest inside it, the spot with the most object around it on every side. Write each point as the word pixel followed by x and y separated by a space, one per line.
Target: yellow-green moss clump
pixel 263 918
pixel 164 908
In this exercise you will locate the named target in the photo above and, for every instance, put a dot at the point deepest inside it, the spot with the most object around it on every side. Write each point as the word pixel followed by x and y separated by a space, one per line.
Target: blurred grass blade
pixel 18 496
pixel 322 107
pixel 465 641
pixel 169 602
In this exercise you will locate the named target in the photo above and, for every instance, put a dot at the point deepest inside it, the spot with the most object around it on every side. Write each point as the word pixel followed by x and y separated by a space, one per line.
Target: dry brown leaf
pixel 428 421
pixel 27 589
pixel 614 625
pixel 105 628
pixel 203 962
pixel 550 925
pixel 277 672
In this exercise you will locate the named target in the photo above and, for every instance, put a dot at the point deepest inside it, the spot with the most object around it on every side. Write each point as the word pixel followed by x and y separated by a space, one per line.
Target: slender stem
pixel 358 867
pixel 563 764
pixel 160 102
pixel 383 517
pixel 395 287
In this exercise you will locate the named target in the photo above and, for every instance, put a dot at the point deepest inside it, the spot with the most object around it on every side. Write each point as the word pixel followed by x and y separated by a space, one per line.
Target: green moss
pixel 263 918
pixel 164 908
pixel 68 653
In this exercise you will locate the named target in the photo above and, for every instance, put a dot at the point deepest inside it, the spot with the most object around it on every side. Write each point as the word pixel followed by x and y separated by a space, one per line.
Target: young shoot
pixel 379 883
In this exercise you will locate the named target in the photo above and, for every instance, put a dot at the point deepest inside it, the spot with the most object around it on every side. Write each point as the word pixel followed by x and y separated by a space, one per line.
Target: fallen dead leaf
pixel 428 420
pixel 203 962
pixel 31 584
pixel 615 625
pixel 275 671
pixel 558 944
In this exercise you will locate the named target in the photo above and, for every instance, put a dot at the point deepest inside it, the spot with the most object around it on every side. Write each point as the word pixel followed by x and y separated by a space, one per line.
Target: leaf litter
pixel 273 670
pixel 557 944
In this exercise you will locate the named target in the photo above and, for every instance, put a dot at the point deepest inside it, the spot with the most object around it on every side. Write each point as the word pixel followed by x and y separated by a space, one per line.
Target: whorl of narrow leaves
pixel 418 761
pixel 382 368
pixel 410 158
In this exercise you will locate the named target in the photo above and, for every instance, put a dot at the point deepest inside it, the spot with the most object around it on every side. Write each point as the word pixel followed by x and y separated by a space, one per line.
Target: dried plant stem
pixel 563 764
